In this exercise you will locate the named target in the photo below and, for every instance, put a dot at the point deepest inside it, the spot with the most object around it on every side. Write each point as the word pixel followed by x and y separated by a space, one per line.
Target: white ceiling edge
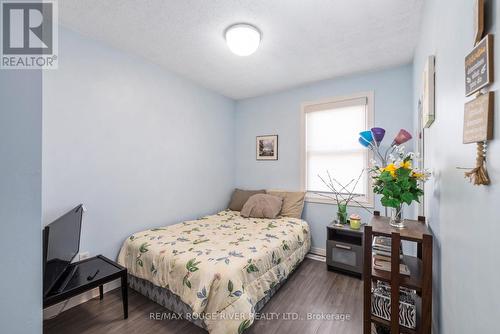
pixel 300 45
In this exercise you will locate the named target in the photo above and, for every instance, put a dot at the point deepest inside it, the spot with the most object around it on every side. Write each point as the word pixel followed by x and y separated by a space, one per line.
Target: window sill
pixel 362 202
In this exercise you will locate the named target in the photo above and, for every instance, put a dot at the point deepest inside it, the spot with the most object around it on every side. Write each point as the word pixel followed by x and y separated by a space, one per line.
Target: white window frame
pixel 368 200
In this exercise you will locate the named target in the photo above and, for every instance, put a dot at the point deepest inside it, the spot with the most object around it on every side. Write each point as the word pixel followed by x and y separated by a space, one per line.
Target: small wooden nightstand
pixel 344 250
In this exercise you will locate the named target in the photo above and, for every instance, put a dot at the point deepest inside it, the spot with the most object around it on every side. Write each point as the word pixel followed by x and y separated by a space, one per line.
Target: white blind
pixel 332 131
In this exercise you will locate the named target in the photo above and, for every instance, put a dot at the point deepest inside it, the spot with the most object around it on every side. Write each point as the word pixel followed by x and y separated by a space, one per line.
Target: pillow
pixel 262 206
pixel 239 198
pixel 293 202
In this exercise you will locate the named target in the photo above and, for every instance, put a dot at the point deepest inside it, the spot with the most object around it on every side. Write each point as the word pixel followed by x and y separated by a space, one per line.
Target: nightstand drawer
pixel 345 256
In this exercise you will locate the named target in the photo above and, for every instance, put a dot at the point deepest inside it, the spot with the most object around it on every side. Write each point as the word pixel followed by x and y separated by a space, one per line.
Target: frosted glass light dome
pixel 242 39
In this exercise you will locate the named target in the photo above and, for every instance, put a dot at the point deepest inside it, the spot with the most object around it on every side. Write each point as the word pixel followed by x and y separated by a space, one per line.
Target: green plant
pixel 341 195
pixel 342 213
pixel 398 182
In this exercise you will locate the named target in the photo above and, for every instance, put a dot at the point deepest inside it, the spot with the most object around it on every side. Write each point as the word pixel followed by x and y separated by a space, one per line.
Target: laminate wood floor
pixel 311 290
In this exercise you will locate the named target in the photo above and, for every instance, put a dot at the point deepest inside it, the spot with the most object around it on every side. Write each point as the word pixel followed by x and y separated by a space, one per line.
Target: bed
pixel 219 270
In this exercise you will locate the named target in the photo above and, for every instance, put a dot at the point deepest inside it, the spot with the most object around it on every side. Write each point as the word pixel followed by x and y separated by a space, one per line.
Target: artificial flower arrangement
pixel 394 176
pixel 398 183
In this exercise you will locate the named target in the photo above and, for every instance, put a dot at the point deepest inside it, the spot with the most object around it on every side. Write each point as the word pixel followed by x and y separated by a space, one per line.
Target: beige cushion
pixel 240 197
pixel 262 206
pixel 293 202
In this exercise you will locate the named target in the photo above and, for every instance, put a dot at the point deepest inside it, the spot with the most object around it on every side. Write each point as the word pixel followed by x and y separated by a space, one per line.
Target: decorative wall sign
pixel 478 20
pixel 478 113
pixel 479 66
pixel 478 119
pixel 428 77
pixel 267 147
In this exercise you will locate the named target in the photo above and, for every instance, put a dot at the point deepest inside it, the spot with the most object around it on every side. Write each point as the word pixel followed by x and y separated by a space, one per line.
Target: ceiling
pixel 303 41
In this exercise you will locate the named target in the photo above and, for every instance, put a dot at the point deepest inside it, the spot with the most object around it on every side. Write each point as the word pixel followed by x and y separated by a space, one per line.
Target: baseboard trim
pixel 56 309
pixel 318 254
pixel 318 251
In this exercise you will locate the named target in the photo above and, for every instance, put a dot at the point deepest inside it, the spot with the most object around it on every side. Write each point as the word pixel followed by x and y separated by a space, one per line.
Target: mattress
pixel 220 266
pixel 173 303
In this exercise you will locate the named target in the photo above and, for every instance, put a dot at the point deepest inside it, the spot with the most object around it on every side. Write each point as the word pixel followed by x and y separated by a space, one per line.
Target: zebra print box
pixel 381 305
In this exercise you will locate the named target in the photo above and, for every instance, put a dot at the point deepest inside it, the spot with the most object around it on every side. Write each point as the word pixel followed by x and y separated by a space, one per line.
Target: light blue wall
pixel 139 146
pixel 20 201
pixel 280 114
pixel 463 217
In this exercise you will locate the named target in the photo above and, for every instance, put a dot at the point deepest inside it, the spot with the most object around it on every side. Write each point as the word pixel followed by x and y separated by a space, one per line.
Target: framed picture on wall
pixel 267 147
pixel 427 99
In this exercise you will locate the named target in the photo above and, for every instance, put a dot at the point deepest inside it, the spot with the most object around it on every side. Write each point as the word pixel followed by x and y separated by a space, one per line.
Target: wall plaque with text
pixel 479 66
pixel 478 119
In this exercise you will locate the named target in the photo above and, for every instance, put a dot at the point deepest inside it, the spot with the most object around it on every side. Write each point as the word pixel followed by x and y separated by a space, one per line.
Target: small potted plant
pixel 341 195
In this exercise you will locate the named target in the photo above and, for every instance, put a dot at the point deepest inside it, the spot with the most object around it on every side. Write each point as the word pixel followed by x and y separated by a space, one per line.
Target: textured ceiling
pixel 303 41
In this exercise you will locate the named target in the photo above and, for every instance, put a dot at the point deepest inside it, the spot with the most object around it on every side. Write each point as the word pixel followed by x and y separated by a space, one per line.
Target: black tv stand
pixel 86 275
pixel 67 278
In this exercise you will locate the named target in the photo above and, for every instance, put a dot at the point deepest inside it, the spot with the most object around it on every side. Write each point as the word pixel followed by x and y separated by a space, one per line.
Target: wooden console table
pixel 420 278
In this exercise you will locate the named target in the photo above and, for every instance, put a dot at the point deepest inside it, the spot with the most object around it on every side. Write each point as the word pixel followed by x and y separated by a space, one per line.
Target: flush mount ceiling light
pixel 242 39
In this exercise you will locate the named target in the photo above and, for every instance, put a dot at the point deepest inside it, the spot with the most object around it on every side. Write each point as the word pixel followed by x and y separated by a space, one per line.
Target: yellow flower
pixel 418 175
pixel 406 164
pixel 391 168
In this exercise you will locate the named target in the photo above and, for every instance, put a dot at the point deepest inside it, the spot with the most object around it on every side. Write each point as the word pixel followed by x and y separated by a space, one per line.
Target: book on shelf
pixel 382 243
pixel 381 257
pixel 384 265
pixel 382 246
pixel 385 255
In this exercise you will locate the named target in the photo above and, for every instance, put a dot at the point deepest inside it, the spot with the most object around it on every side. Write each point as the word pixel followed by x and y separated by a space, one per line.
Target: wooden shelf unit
pixel 420 278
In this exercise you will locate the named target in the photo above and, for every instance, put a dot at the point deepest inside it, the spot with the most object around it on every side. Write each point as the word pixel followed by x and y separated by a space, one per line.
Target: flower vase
pixel 342 214
pixel 397 220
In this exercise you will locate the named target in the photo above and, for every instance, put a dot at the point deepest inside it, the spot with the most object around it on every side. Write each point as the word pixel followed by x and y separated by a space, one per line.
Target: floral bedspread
pixel 220 265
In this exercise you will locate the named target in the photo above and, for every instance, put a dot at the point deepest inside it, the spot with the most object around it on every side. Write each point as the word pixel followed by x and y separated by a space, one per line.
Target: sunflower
pixel 391 168
pixel 406 164
pixel 418 175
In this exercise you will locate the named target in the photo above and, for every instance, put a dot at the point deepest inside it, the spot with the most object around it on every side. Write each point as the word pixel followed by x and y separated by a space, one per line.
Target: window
pixel 330 132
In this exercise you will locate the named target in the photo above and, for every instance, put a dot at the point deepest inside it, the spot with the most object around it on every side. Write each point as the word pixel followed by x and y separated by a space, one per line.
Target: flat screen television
pixel 61 243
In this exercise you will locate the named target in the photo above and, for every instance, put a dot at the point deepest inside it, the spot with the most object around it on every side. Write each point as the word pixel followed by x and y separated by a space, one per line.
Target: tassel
pixel 479 175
